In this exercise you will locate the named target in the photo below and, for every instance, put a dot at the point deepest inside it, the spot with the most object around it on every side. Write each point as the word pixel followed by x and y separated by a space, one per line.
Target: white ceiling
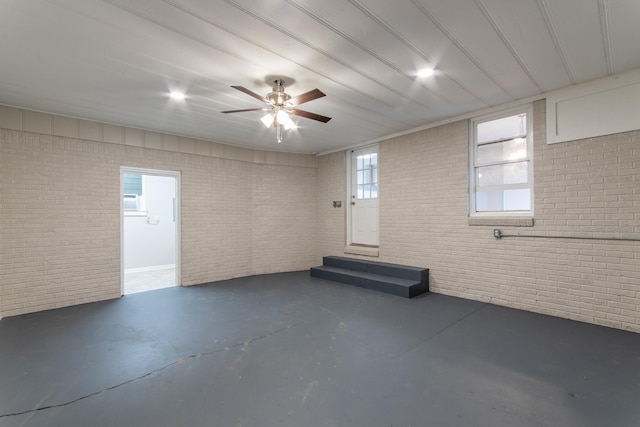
pixel 115 60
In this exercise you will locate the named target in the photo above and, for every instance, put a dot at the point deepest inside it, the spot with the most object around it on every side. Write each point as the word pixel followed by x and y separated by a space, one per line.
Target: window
pixel 501 163
pixel 133 183
pixel 133 199
pixel 367 176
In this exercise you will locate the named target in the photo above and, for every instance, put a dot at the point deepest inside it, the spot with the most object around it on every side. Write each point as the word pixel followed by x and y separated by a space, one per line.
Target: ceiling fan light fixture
pixel 284 119
pixel 280 106
pixel 268 119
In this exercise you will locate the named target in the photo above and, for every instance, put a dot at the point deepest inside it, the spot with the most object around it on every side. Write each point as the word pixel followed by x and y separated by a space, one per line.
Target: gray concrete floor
pixel 291 350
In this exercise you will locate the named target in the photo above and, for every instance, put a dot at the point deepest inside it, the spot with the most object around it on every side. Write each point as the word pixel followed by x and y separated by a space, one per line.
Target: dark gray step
pixel 377 282
pixel 383 268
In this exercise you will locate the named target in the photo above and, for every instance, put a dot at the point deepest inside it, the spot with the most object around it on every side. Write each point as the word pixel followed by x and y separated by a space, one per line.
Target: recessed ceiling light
pixel 425 72
pixel 178 96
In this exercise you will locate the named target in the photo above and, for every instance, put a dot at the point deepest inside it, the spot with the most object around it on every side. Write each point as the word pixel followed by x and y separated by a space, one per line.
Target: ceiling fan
pixel 280 104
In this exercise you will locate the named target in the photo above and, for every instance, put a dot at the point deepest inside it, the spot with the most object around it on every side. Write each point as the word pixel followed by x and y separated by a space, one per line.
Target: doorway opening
pixel 150 229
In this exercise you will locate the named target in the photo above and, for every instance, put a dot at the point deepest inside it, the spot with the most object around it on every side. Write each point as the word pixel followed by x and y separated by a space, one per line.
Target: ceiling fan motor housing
pixel 278 96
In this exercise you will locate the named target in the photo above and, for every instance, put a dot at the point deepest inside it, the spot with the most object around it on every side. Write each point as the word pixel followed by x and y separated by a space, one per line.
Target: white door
pixel 364 196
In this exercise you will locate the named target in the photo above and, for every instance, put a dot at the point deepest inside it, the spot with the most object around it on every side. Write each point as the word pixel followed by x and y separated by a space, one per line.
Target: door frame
pixel 178 231
pixel 349 169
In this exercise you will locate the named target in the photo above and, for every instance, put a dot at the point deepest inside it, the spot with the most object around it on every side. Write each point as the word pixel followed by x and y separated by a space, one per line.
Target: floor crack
pixel 432 336
pixel 148 374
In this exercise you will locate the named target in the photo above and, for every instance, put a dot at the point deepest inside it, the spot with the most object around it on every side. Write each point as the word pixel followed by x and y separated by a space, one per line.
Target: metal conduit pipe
pixel 497 233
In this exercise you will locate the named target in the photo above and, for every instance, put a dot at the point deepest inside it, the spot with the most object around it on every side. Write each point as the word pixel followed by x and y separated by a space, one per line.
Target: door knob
pixel 353 203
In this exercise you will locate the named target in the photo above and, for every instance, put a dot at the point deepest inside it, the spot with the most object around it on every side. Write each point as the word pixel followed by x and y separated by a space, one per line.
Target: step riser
pixel 394 279
pixel 409 273
pixel 376 285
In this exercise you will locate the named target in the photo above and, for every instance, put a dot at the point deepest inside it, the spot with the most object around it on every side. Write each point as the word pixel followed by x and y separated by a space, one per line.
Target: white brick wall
pixel 249 212
pixel 243 211
pixel 59 222
pixel 332 184
pixel 283 218
pixel 582 188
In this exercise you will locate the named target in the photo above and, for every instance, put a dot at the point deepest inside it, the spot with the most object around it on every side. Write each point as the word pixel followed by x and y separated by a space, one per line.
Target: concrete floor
pixel 291 350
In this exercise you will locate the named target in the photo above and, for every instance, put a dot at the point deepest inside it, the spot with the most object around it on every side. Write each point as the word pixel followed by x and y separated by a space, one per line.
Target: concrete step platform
pixel 394 279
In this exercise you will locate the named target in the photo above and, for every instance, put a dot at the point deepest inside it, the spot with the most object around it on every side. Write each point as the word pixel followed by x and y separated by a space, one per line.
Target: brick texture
pixel 585 188
pixel 249 212
pixel 332 184
pixel 244 211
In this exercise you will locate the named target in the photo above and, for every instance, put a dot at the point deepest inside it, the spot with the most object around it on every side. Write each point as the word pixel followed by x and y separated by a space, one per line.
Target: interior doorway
pixel 150 229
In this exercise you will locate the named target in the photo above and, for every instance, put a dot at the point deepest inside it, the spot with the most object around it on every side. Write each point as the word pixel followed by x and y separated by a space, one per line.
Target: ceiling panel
pixel 624 32
pixel 458 79
pixel 522 27
pixel 468 28
pixel 581 47
pixel 116 60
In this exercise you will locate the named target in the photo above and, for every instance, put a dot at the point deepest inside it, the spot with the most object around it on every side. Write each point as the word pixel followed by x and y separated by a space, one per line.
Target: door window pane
pixel 374 191
pixel 367 176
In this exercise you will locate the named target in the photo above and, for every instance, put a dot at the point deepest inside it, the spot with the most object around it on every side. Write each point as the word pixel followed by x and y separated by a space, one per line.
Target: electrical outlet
pixel 497 233
pixel 337 204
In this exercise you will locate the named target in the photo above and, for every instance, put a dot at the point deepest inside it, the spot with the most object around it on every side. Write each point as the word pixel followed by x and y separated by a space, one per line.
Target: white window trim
pixel 528 110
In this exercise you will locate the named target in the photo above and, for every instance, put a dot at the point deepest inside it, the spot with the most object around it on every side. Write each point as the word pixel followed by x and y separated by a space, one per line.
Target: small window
pixel 133 183
pixel 133 201
pixel 501 163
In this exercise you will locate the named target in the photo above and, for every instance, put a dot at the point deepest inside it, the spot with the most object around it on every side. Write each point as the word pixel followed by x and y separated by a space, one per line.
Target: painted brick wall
pixel 244 211
pixel 332 184
pixel 582 188
pixel 59 219
pixel 283 218
pixel 249 212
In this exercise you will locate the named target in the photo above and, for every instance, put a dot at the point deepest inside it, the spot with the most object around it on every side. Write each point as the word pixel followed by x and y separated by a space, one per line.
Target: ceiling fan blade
pixel 308 115
pixel 250 93
pixel 306 97
pixel 248 109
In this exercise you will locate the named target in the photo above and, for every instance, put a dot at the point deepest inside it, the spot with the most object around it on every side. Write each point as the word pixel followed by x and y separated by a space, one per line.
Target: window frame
pixel 473 163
